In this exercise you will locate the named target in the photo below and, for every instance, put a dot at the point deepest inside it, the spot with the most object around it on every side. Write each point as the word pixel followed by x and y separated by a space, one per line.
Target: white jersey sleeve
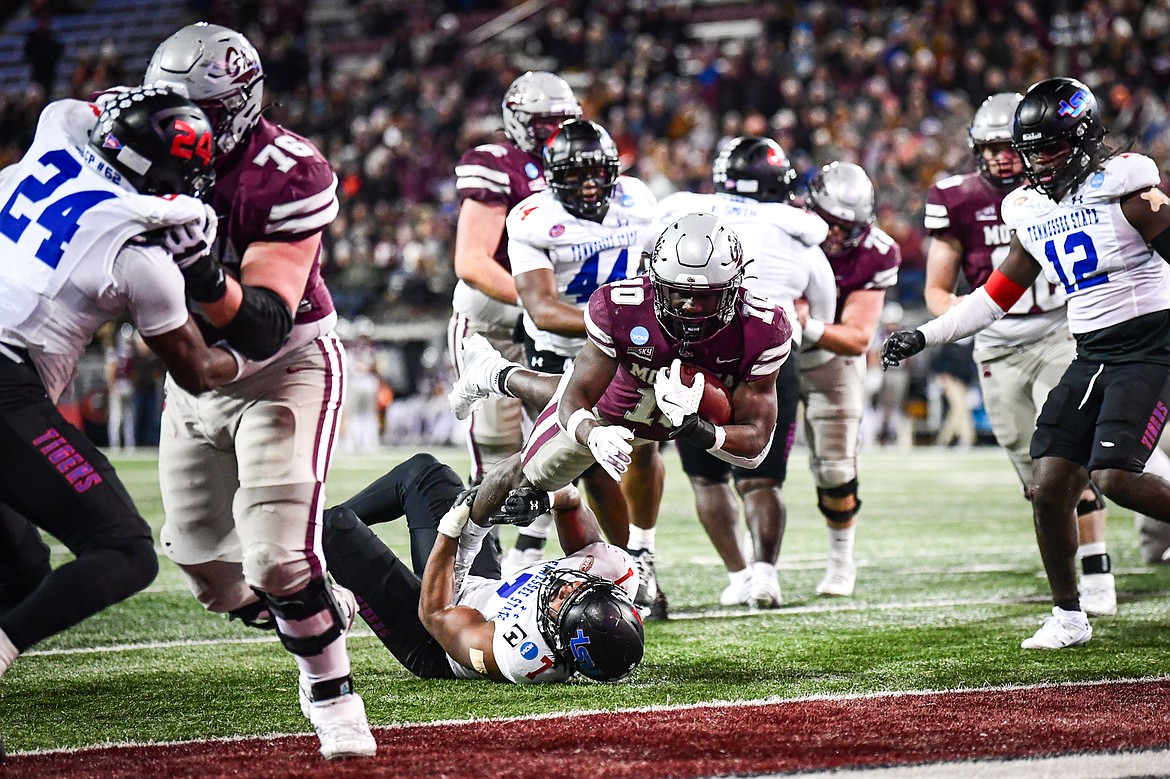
pixel 153 288
pixel 528 226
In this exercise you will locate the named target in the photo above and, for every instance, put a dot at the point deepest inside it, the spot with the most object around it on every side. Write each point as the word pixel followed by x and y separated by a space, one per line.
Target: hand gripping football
pixel 715 406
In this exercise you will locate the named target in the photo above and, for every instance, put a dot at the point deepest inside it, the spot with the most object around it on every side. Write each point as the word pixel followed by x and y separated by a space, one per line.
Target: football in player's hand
pixel 715 406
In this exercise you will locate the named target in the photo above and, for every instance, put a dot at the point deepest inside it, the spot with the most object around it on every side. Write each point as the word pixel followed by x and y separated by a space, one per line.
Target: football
pixel 715 406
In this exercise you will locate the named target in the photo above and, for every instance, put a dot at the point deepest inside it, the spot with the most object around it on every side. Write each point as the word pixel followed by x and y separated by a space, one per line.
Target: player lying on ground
pixel 545 623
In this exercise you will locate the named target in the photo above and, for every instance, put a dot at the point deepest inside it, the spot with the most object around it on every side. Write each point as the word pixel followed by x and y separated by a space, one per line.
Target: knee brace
pixel 845 490
pixel 314 601
pixel 1085 507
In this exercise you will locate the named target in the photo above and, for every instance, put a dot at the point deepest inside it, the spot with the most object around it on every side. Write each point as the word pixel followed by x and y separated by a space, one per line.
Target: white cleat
pixel 765 591
pixel 840 578
pixel 341 725
pixel 1099 594
pixel 477 381
pixel 1063 629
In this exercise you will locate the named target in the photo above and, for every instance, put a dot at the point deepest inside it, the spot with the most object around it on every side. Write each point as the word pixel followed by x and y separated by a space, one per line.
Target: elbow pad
pixel 262 325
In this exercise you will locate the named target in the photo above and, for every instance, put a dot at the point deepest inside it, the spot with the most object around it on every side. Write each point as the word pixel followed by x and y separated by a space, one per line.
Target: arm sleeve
pixel 970 315
pixel 153 288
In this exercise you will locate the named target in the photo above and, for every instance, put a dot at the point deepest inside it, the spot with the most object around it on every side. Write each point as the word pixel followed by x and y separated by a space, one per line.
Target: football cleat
pixel 765 591
pixel 340 722
pixel 840 578
pixel 477 381
pixel 1062 629
pixel 347 601
pixel 650 600
pixel 1099 594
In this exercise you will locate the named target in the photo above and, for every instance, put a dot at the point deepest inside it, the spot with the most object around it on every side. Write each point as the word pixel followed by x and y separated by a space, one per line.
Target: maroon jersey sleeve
pixel 872 264
pixel 278 188
pixel 498 174
pixel 967 209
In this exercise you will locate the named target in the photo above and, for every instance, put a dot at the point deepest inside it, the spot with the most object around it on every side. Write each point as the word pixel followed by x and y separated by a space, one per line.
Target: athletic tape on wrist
pixel 575 420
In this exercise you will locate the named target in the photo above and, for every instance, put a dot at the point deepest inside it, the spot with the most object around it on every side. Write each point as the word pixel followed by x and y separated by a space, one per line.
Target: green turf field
pixel 949 583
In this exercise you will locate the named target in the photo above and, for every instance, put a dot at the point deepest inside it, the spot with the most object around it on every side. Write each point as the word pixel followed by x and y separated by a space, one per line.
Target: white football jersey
pixel 782 244
pixel 67 269
pixel 582 254
pixel 1085 244
pixel 522 654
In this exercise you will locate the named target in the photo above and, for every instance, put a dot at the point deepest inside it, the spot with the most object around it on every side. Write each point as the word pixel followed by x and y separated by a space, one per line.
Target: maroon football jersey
pixel 275 187
pixel 871 264
pixel 621 322
pixel 499 174
pixel 966 208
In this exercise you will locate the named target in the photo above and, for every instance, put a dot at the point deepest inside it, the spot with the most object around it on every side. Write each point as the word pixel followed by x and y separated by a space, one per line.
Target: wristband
pixel 814 331
pixel 720 438
pixel 241 361
pixel 698 431
pixel 452 523
pixel 575 420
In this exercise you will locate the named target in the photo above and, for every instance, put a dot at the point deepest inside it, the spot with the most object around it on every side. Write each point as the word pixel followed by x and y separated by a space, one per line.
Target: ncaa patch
pixel 1097 180
pixel 528 650
pixel 626 201
pixel 639 335
pixel 531 171
pixel 111 143
pixel 556 231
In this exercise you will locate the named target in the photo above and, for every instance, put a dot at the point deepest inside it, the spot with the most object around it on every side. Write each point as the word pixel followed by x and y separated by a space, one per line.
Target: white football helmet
pixel 696 268
pixel 534 107
pixel 218 69
pixel 842 194
pixel 992 127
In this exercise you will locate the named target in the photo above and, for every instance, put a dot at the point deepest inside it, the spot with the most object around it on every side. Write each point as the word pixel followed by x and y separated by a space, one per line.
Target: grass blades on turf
pixel 949 584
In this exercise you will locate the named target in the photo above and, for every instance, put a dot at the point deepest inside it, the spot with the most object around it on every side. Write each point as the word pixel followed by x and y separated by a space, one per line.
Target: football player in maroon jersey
pixel 865 264
pixel 1022 356
pixel 243 469
pixel 491 178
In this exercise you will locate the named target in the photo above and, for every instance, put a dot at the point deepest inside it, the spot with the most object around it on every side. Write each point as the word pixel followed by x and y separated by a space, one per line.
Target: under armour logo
pixel 1075 105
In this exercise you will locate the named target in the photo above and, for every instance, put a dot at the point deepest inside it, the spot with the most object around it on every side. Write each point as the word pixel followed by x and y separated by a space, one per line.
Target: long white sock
pixel 333 663
pixel 641 538
pixel 8 652
pixel 841 542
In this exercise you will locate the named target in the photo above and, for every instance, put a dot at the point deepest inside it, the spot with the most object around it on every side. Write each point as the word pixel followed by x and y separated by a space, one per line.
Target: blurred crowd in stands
pixel 393 91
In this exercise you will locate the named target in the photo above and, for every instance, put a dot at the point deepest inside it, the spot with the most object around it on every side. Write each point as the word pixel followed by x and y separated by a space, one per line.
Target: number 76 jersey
pixel 582 254
pixel 1085 244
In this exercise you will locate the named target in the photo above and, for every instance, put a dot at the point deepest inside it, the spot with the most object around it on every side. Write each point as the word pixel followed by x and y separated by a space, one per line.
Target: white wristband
pixel 720 438
pixel 814 331
pixel 575 420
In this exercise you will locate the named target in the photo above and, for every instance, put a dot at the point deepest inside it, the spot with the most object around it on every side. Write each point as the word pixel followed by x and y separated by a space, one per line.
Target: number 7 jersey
pixel 1085 244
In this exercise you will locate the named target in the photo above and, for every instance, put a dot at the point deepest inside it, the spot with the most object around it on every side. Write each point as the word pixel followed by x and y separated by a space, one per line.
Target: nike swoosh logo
pixel 1107 444
pixel 721 361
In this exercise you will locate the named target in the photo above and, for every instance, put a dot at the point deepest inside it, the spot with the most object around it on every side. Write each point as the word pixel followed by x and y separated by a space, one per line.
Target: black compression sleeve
pixel 261 326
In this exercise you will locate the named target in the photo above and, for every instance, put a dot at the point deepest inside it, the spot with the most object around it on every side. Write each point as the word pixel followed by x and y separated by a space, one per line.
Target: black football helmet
pixel 596 631
pixel 159 140
pixel 1058 133
pixel 581 166
pixel 754 167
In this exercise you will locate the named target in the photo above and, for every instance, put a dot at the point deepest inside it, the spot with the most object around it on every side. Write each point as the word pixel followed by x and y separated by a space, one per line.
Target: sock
pixel 641 538
pixel 763 571
pixel 740 577
pixel 8 652
pixel 841 542
pixel 1072 604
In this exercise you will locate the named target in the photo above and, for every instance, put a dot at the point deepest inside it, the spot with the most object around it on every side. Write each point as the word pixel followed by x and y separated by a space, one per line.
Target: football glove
pixel 451 524
pixel 611 448
pixel 676 400
pixel 522 506
pixel 190 247
pixel 900 345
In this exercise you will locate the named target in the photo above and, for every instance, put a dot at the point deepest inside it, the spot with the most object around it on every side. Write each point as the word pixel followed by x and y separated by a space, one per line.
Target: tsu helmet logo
pixel 579 645
pixel 1074 106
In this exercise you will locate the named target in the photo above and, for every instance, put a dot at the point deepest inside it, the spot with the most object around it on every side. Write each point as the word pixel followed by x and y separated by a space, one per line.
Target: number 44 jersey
pixel 582 254
pixel 1085 244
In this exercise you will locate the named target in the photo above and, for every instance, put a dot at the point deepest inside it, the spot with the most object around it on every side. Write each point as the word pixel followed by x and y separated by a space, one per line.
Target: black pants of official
pixel 422 489
pixel 52 477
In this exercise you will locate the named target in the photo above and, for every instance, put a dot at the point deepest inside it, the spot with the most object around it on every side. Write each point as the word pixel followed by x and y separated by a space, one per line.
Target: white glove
pixel 190 242
pixel 451 524
pixel 611 448
pixel 676 400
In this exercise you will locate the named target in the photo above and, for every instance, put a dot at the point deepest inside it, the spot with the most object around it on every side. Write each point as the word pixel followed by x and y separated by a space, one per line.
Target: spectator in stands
pixel 42 52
